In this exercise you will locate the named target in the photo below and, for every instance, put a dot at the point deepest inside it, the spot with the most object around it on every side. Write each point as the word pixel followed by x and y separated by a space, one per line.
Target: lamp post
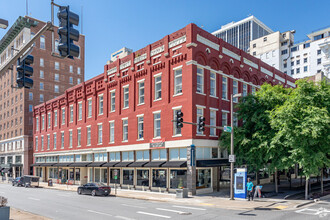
pixel 232 145
pixel 3 23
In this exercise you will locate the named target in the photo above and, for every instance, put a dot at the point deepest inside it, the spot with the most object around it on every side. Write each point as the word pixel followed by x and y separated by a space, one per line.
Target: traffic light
pixel 67 33
pixel 201 123
pixel 179 119
pixel 24 72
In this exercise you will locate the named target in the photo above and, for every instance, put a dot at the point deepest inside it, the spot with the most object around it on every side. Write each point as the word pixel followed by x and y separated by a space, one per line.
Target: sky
pixel 110 25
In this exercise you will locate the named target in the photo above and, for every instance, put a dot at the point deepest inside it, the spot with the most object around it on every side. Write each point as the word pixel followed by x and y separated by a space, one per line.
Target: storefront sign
pixel 157 143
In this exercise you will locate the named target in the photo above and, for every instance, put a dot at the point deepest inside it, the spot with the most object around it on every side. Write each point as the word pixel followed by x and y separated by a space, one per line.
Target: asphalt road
pixel 56 204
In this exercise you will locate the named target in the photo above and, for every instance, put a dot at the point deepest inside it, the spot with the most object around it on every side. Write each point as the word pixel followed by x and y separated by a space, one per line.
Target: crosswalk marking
pixel 152 214
pixel 185 207
pixel 170 210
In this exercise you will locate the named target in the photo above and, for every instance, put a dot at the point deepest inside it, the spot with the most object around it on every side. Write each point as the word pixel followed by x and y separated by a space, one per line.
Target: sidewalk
pixel 16 214
pixel 215 200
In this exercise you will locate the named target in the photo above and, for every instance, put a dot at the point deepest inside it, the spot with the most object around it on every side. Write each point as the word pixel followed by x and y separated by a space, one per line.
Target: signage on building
pixel 157 143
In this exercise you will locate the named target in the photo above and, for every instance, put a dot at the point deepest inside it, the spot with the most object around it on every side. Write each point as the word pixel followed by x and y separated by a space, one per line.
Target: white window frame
pixel 159 91
pixel 80 111
pixel 78 137
pixel 37 123
pixel 213 79
pixel 213 130
pixel 139 128
pixel 177 91
pixel 113 100
pixel 63 115
pixel 62 139
pixel 89 135
pixel 55 140
pixel 101 104
pixel 42 122
pixel 49 121
pixel 48 141
pixel 89 108
pixel 235 90
pixel 245 89
pixel 125 133
pixel 155 124
pixel 99 133
pixel 70 138
pixel 141 91
pixel 112 126
pixel 125 98
pixel 71 113
pixel 200 76
pixel 55 118
pixel 224 113
pixel 224 87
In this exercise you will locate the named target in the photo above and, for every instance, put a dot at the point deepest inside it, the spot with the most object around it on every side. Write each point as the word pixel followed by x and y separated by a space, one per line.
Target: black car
pixel 94 189
pixel 18 181
pixel 27 181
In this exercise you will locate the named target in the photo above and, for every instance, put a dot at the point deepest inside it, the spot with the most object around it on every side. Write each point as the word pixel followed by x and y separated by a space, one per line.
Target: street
pixel 57 204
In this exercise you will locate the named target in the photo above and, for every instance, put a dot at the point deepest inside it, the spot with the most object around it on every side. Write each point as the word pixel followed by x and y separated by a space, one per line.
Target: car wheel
pixel 13 184
pixel 93 193
pixel 79 191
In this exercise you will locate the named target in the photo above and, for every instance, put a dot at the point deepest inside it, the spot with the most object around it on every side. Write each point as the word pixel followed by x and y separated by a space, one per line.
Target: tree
pixel 302 127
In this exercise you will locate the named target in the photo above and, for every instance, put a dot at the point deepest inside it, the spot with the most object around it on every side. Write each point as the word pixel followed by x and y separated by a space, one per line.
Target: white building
pixel 299 60
pixel 123 52
pixel 240 33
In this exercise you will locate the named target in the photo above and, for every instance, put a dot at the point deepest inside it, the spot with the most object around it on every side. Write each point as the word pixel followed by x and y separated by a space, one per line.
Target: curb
pixel 303 204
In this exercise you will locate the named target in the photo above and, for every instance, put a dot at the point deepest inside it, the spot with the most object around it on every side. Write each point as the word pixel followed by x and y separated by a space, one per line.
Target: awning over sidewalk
pixel 154 164
pixel 137 164
pixel 38 164
pixel 175 164
pixel 212 163
pixel 62 164
pixel 110 164
pixel 79 164
pixel 123 164
pixel 16 165
pixel 96 164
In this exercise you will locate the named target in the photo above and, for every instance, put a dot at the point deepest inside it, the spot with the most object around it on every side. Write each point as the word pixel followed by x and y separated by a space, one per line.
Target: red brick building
pixel 120 121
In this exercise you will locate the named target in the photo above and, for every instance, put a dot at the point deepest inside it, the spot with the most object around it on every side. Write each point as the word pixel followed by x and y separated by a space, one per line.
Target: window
pixel 141 92
pixel 318 37
pixel 42 75
pixel 49 123
pixel 78 81
pixel 57 77
pixel 306 45
pixel 36 143
pixel 140 127
pixel 284 51
pixel 213 122
pixel 142 155
pixel 156 124
pixel 42 142
pixel 63 116
pixel 298 62
pixel 56 46
pixel 41 86
pixel 158 86
pixel 177 81
pixel 224 88
pixel 253 90
pixel 30 96
pixel 213 84
pixel 114 156
pixel 55 140
pixel 71 80
pixel 89 135
pixel 112 131
pixel 159 154
pixel 37 123
pixel 99 134
pixel 293 49
pixel 89 105
pixel 305 68
pixel 305 60
pixel 57 65
pixel 265 39
pixel 56 88
pixel 42 42
pixel 62 139
pixel 71 113
pixel 199 114
pixel 79 111
pixel 254 53
pixel 285 65
pixel 55 118
pixel 30 108
pixel 245 89
pixel 113 101
pixel 126 96
pixel 101 104
pixel 254 45
pixel 200 80
pixel 235 90
pixel 318 52
pixel 298 70
pixel 43 122
pixel 128 156
pixel 292 63
pixel 125 130
pixel 292 71
pixel 78 71
pixel 70 138
pixel 284 43
pixel 224 119
pixel 178 154
pixel 71 69
pixel 319 60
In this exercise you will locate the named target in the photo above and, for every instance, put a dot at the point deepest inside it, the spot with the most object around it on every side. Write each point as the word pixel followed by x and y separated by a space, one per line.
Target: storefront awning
pixel 110 164
pixel 212 163
pixel 61 164
pixel 175 164
pixel 154 164
pixel 122 164
pixel 49 164
pixel 79 164
pixel 96 164
pixel 137 164
pixel 38 164
pixel 17 165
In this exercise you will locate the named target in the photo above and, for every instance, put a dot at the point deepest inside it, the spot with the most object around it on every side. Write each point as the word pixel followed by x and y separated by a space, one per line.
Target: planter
pixel 182 193
pixel 4 212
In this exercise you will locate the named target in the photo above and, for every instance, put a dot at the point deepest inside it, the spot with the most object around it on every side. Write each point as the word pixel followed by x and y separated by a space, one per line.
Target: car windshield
pixel 99 184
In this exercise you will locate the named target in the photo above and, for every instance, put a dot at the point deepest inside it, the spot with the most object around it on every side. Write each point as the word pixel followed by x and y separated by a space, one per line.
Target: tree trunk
pixel 306 188
pixel 257 178
pixel 322 190
pixel 276 185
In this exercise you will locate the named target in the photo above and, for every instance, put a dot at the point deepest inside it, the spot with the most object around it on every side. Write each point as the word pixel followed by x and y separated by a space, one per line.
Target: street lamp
pixel 3 23
pixel 232 145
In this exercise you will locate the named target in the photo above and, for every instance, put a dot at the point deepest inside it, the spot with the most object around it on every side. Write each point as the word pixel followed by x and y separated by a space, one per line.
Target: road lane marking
pixel 34 198
pixel 170 210
pixel 100 213
pixel 185 207
pixel 123 217
pixel 152 214
pixel 134 206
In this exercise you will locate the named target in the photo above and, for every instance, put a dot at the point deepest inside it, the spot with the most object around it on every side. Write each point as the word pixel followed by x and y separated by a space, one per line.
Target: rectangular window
pixel 42 62
pixel 42 75
pixel 71 69
pixel 199 114
pixel 176 130
pixel 41 86
pixel 79 137
pixel 79 111
pixel 30 96
pixel 213 84
pixel 141 92
pixel 224 88
pixel 112 131
pixel 224 119
pixel 41 97
pixel 156 125
pixel 115 156
pixel 125 130
pixel 318 52
pixel 55 118
pixel 298 70
pixel 48 142
pixel 89 104
pixel 37 123
pixel 298 62
pixel 71 80
pixel 63 116
pixel 305 60
pixel 235 119
pixel 245 89
pixel 284 51
pixel 42 142
pixel 177 81
pixel 57 77
pixel 56 89
pixel 89 135
pixel 113 101
pixel 57 65
pixel 37 143
pixel 128 156
pixel 213 122
pixel 42 122
pixel 62 139
pixel 142 155
pixel 305 68
pixel 200 80
pixel 126 96
pixel 140 127
pixel 319 61
pixel 70 138
pixel 158 87
pixel 159 154
pixel 99 134
pixel 78 71
pixel 178 154
pixel 42 42
pixel 55 140
pixel 49 123
pixel 71 113
pixel 253 90
pixel 101 104
pixel 235 90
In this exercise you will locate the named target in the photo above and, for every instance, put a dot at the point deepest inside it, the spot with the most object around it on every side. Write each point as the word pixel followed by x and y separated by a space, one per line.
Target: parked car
pixel 18 181
pixel 94 189
pixel 27 181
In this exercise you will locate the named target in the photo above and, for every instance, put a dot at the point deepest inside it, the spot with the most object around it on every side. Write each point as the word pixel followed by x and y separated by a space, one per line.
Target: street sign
pixel 227 129
pixel 232 158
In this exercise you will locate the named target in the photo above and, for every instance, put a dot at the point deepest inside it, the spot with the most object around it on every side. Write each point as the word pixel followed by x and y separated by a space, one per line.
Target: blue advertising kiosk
pixel 240 183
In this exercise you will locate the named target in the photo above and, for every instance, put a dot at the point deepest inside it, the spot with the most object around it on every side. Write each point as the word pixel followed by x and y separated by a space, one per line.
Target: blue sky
pixel 112 24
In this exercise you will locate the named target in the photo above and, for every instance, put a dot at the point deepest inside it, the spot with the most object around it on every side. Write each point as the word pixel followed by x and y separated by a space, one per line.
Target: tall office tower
pixel 52 76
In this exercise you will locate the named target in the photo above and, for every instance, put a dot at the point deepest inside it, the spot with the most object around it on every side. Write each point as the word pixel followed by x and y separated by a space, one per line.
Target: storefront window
pixel 115 156
pixel 128 177
pixel 112 176
pixel 71 174
pixel 203 179
pixel 78 174
pixel 159 154
pixel 178 179
pixel 101 175
pixel 90 174
pixel 178 154
pixel 215 153
pixel 78 158
pixel 100 157
pixel 128 156
pixel 159 178
pixel 142 177
pixel 142 155
pixel 53 173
